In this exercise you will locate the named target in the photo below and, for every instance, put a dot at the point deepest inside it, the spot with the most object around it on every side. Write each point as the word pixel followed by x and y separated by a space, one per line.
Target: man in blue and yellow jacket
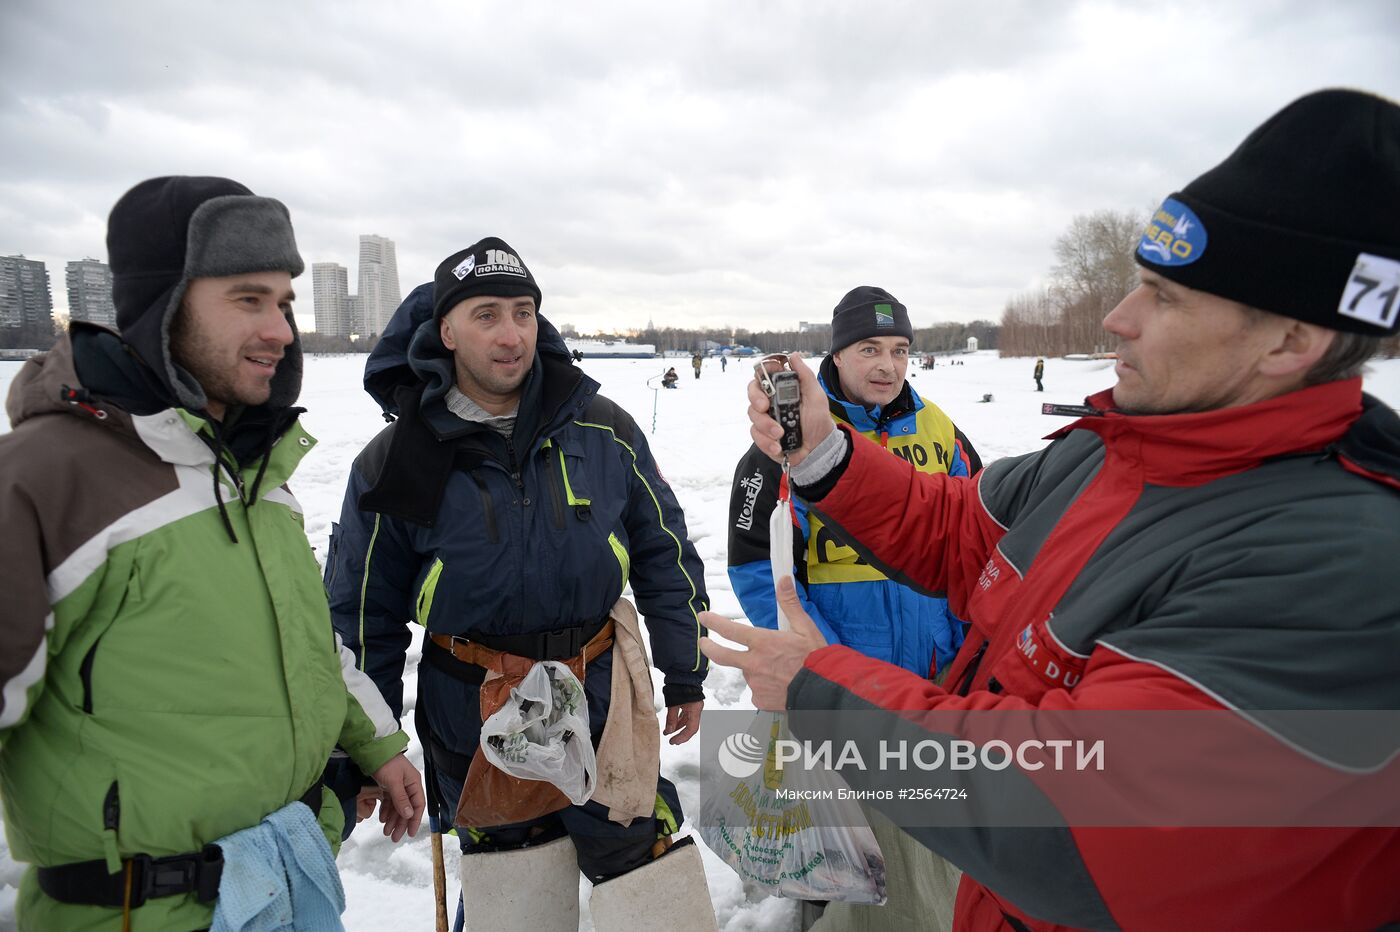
pixel 851 601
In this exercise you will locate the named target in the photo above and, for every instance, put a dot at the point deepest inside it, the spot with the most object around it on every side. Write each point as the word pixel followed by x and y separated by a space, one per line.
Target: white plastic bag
pixel 541 733
pixel 814 847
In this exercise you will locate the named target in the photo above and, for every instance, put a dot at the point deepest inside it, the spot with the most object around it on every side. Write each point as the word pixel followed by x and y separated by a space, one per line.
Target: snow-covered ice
pixel 700 432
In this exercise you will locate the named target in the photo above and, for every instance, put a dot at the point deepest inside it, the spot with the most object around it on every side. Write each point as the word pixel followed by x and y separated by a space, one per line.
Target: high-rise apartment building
pixel 379 282
pixel 329 291
pixel 90 292
pixel 26 304
pixel 355 310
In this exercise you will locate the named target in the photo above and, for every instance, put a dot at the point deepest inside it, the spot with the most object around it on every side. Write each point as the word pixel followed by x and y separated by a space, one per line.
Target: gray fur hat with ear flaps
pixel 166 232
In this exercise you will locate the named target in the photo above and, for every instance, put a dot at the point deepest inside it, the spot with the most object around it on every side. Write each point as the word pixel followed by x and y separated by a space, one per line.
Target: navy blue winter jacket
pixel 448 524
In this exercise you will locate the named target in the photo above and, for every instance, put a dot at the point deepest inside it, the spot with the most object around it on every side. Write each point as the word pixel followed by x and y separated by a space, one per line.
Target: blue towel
pixel 279 876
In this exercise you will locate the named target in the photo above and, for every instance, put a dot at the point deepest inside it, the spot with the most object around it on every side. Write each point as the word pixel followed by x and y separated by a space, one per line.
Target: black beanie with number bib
pixel 1300 220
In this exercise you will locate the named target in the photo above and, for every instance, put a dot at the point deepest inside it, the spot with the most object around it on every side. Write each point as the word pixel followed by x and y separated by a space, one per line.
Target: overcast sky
pixel 712 163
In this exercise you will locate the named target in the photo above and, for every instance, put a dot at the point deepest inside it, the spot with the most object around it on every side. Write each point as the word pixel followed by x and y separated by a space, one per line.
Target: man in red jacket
pixel 1208 536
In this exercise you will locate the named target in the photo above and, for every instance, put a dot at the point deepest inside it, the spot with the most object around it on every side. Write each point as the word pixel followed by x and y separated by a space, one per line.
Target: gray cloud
pixel 717 163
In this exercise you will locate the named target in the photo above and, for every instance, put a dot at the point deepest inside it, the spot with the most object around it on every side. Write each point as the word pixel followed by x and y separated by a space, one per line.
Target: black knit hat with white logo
pixel 489 267
pixel 1300 220
pixel 867 312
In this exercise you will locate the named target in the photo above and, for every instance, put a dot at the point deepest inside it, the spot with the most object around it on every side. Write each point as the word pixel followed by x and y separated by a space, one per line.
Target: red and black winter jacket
pixel 1238 559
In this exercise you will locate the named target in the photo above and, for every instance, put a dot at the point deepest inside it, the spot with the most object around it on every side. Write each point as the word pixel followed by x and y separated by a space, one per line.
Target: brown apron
pixel 491 796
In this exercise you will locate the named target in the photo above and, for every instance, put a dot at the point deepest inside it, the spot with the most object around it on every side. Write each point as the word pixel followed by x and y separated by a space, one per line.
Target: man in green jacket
pixel 168 671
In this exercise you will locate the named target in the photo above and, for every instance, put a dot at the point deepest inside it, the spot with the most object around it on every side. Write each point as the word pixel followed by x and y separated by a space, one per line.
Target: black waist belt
pixel 560 644
pixel 87 883
pixel 441 659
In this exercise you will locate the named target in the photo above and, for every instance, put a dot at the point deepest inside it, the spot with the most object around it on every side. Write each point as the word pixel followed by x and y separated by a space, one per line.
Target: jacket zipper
pixel 520 489
pixel 111 808
pixel 85 675
pixel 488 512
pixel 515 468
pixel 556 498
pixel 965 684
pixel 111 819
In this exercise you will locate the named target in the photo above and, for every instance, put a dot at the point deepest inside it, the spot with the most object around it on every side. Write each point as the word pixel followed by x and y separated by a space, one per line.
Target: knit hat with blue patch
pixel 1300 220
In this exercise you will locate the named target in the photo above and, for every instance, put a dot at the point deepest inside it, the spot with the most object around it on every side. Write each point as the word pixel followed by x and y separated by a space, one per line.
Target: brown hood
pixel 45 385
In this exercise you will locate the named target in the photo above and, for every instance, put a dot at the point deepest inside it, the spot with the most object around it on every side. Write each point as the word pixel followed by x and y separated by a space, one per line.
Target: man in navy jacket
pixel 507 508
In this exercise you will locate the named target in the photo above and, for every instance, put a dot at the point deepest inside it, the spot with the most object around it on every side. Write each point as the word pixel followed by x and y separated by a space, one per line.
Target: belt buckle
pixel 168 876
pixel 456 642
pixel 210 872
pixel 181 873
pixel 140 868
pixel 561 645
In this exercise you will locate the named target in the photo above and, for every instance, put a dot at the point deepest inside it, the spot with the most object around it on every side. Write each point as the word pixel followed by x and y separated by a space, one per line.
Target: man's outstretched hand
pixel 773 657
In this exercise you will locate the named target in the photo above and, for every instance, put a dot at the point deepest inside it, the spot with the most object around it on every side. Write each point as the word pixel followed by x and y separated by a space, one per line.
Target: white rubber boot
pixel 532 888
pixel 668 893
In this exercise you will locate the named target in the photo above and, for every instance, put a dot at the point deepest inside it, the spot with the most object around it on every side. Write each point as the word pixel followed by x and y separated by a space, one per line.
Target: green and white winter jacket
pixel 161 685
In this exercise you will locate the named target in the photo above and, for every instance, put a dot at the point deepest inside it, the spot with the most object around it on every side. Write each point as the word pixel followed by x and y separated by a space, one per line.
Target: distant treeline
pixel 312 342
pixel 936 339
pixel 22 338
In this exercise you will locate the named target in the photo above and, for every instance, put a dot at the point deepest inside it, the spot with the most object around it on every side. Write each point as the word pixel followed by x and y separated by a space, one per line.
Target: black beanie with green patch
pixel 867 312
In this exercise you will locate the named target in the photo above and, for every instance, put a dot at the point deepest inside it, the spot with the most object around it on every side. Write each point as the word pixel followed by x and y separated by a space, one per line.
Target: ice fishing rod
pixel 655 394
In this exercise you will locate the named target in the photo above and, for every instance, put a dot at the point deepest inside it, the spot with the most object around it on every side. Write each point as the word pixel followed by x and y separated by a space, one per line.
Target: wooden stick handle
pixel 439 883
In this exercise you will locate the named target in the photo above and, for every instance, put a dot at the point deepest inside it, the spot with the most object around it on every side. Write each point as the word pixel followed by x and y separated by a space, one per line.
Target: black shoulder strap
pixel 605 411
pixel 415 466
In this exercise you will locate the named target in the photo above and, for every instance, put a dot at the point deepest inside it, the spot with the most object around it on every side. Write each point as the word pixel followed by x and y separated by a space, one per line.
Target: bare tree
pixel 1094 257
pixel 1093 271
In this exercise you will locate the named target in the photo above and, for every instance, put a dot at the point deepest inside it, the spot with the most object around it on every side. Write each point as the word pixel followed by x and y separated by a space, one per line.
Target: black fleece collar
pixel 113 371
pixel 1373 442
pixel 422 454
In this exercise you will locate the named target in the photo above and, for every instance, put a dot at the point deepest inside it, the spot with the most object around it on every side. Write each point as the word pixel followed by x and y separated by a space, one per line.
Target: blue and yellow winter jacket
pixel 448 524
pixel 851 602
